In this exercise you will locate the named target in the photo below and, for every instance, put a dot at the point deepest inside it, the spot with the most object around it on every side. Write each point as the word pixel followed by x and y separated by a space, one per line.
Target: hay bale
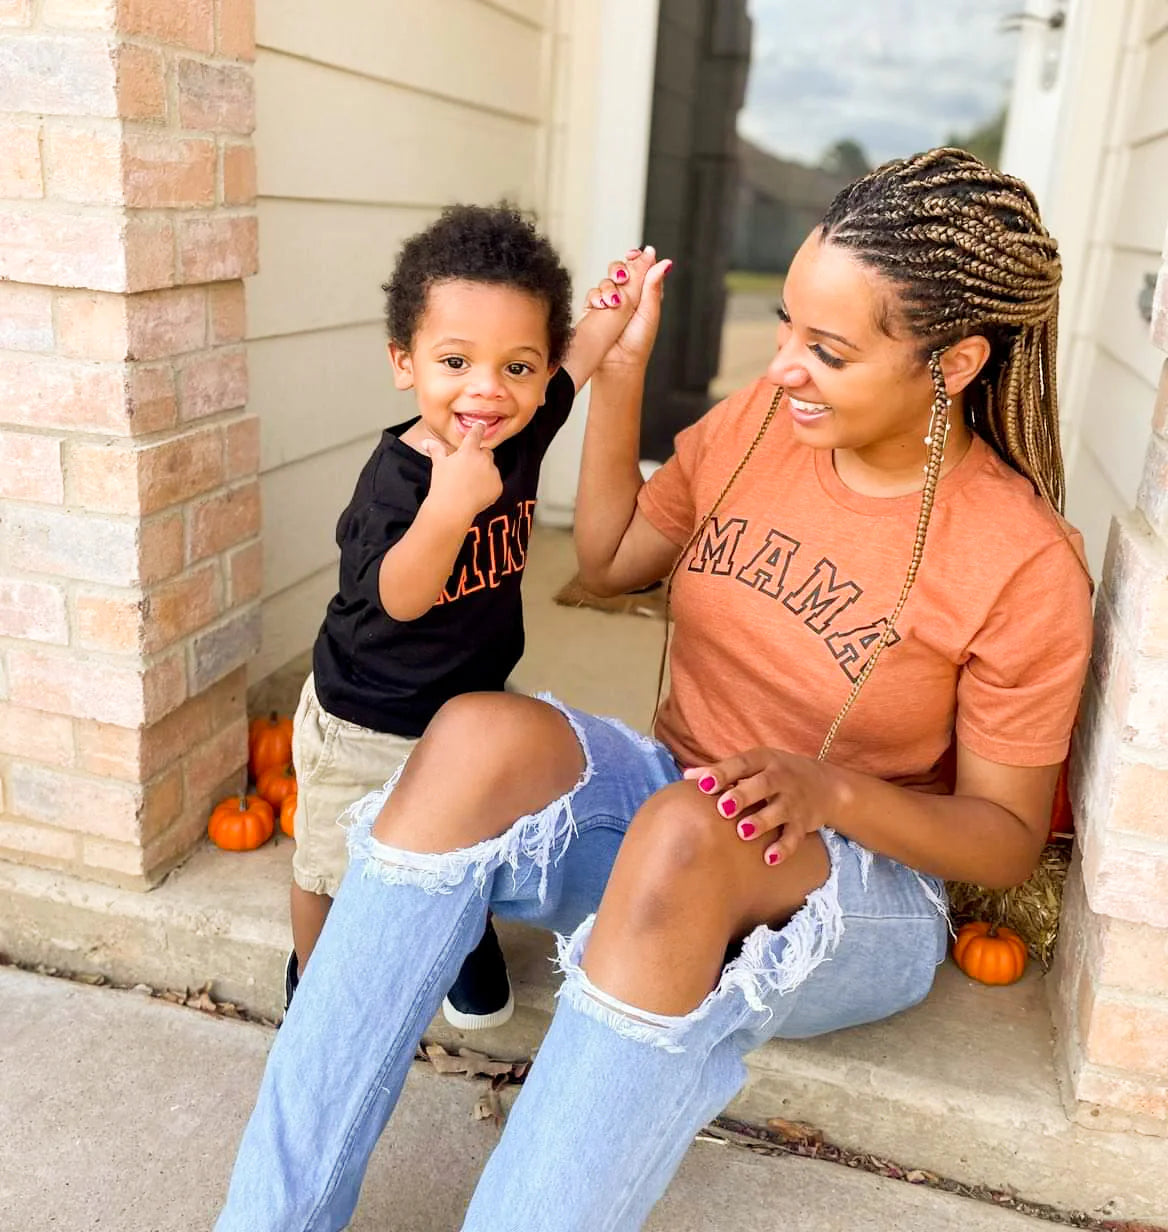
pixel 1031 909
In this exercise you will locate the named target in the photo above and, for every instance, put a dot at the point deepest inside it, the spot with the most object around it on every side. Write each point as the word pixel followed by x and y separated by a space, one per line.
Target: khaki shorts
pixel 337 763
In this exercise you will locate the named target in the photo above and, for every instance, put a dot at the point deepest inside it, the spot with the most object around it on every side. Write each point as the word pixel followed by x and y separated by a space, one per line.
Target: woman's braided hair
pixel 966 248
pixel 967 251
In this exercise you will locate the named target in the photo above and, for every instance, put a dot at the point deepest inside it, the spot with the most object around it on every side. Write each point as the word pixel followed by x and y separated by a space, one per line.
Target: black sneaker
pixel 291 979
pixel 481 995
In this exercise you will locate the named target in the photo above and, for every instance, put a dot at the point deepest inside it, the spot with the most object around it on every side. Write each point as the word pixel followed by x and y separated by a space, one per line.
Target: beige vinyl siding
pixel 459 49
pixel 1155 17
pixel 1114 368
pixel 323 262
pixel 371 115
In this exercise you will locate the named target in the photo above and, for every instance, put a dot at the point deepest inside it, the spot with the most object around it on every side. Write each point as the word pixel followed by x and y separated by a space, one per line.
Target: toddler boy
pixel 434 541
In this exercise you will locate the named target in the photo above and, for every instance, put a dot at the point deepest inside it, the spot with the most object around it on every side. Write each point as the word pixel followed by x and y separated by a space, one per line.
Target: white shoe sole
pixel 478 1022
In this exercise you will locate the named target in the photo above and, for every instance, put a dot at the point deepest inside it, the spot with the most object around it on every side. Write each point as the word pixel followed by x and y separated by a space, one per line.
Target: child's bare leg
pixel 308 915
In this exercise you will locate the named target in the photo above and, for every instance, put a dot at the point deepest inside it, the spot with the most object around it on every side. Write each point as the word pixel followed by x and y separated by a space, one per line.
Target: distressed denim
pixel 617 1093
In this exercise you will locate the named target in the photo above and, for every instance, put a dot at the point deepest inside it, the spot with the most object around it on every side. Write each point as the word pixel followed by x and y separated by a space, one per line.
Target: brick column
pixel 1111 972
pixel 129 557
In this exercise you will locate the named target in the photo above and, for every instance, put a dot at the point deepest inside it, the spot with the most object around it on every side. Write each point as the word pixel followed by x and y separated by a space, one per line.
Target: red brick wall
pixel 130 554
pixel 1111 972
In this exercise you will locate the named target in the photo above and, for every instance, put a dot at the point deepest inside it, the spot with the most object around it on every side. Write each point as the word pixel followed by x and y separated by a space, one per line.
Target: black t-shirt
pixel 392 675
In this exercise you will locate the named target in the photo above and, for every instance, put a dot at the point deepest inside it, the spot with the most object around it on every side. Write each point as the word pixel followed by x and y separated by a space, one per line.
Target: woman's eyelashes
pixel 816 349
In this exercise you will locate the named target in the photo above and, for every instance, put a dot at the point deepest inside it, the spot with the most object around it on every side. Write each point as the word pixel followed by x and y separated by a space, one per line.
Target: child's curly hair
pixel 479 243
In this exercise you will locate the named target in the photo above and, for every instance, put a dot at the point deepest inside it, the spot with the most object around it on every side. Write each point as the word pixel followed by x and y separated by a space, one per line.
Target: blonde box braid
pixel 966 248
pixel 935 443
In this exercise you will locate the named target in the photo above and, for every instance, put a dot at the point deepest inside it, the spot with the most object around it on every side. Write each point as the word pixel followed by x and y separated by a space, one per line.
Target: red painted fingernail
pixel 708 783
pixel 621 275
pixel 668 266
pixel 615 300
pixel 773 857
pixel 729 808
pixel 746 829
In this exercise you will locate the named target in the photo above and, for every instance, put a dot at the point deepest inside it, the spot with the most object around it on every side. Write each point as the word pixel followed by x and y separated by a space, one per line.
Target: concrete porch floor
pixel 964 1085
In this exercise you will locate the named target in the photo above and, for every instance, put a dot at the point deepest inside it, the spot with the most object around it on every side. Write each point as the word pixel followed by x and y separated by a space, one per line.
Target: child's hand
pixel 465 480
pixel 612 307
pixel 637 283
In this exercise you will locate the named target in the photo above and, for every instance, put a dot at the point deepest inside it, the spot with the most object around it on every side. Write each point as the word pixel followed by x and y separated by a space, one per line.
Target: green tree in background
pixel 846 157
pixel 985 141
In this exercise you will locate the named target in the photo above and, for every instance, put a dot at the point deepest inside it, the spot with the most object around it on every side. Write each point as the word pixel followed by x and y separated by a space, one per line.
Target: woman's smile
pixel 806 413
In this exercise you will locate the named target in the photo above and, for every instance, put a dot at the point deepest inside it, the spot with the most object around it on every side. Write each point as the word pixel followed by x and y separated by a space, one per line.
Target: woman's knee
pixel 680 829
pixel 682 859
pixel 677 856
pixel 484 760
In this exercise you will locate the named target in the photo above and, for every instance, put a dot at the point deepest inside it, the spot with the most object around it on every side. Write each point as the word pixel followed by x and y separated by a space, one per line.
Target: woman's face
pixel 849 385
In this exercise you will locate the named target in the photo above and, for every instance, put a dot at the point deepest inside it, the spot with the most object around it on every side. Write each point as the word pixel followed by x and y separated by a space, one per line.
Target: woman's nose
pixel 783 370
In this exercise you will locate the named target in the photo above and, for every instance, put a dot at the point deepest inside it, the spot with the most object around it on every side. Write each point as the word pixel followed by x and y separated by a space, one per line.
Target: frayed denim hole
pixel 537 840
pixel 808 939
pixel 630 1023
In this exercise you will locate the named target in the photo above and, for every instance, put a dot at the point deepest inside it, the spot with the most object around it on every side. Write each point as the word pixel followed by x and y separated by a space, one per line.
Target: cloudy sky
pixel 896 75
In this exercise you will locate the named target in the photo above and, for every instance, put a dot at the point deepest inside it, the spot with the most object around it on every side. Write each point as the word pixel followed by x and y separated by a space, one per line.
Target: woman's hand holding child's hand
pixel 774 796
pixel 636 283
pixel 465 481
pixel 617 328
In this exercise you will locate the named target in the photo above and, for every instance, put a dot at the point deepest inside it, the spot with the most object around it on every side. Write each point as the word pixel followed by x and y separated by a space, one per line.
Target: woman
pixel 772 864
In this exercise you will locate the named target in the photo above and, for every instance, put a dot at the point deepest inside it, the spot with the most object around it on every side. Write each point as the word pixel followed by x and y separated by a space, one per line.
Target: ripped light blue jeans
pixel 617 1093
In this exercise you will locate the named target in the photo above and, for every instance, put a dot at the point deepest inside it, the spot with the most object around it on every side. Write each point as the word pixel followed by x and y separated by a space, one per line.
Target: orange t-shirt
pixel 781 600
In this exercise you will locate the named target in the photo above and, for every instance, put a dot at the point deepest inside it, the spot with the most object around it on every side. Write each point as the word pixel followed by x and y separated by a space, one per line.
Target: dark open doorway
pixel 703 55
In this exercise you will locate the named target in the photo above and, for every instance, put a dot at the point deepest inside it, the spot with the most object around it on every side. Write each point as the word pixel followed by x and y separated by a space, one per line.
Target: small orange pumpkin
pixel 241 823
pixel 990 954
pixel 276 783
pixel 269 743
pixel 288 814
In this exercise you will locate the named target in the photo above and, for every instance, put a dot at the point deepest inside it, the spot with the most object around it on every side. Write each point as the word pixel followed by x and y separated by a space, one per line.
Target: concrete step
pixel 963 1085
pixel 124 1112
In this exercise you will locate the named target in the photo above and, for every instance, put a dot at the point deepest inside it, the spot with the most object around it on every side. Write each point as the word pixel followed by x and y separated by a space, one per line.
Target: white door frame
pixel 596 201
pixel 1077 122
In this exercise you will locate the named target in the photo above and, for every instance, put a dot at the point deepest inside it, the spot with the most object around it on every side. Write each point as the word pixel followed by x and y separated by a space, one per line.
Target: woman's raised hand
pixel 639 278
pixel 772 796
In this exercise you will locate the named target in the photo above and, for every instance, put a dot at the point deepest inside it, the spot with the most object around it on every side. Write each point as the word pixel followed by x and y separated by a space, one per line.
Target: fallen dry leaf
pixel 478 1064
pixel 489 1106
pixel 201 1000
pixel 472 1064
pixel 795 1131
pixel 443 1062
